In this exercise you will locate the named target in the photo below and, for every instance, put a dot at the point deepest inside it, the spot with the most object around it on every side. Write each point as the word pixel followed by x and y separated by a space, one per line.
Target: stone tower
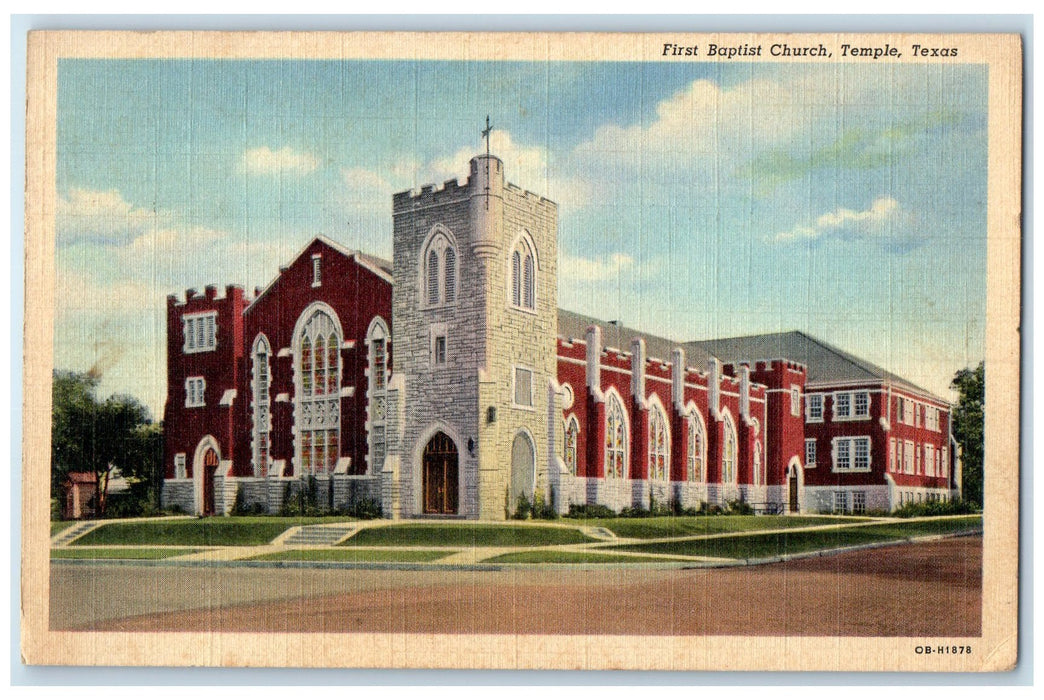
pixel 474 327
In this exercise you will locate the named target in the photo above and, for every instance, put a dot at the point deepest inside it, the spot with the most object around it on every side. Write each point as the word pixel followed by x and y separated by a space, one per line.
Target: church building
pixel 448 382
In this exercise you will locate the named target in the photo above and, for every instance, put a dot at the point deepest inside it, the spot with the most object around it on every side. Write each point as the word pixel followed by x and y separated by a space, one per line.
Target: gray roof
pixel 574 325
pixel 826 364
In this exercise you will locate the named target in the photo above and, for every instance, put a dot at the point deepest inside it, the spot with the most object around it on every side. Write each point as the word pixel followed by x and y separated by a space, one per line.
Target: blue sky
pixel 695 200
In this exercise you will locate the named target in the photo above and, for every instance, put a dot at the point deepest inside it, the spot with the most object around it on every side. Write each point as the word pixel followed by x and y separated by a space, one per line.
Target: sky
pixel 696 200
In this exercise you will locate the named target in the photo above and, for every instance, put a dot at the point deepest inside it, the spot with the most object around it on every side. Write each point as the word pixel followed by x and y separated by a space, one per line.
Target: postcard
pixel 523 351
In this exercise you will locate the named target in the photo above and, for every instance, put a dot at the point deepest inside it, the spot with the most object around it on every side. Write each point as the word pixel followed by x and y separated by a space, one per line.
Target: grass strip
pixel 544 556
pixel 464 535
pixel 135 553
pixel 684 526
pixel 349 555
pixel 206 532
pixel 783 543
pixel 59 525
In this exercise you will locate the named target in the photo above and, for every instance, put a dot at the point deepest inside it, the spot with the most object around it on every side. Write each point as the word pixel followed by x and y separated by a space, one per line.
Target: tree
pixel 968 427
pixel 100 437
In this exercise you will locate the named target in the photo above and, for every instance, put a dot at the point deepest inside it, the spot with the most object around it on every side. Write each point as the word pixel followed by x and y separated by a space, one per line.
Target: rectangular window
pixel 862 404
pixel 814 408
pixel 892 455
pixel 795 400
pixel 523 387
pixel 439 352
pixel 810 453
pixel 380 362
pixel 862 454
pixel 317 278
pixel 945 459
pixel 859 502
pixel 842 405
pixel 852 454
pixel 179 465
pixel 378 448
pixel 929 460
pixel 195 389
pixel 908 457
pixel 917 414
pixel 917 460
pixel 200 331
pixel 840 501
pixel 843 455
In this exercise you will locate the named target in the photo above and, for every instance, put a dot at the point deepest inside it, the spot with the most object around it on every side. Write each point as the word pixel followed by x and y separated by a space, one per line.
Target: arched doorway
pixel 794 483
pixel 523 464
pixel 440 475
pixel 210 464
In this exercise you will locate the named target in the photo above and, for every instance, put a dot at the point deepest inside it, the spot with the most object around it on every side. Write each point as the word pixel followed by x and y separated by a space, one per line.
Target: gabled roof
pixel 380 267
pixel 826 364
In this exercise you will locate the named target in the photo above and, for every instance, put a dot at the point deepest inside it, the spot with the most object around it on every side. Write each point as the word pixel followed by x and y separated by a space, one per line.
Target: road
pixel 930 588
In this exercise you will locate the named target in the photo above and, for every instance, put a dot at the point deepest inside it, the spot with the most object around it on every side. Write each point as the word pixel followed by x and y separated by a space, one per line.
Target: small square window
pixel 814 406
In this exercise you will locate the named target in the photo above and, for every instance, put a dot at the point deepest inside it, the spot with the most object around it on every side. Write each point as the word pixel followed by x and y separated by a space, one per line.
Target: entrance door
pixel 523 465
pixel 793 491
pixel 440 475
pixel 210 464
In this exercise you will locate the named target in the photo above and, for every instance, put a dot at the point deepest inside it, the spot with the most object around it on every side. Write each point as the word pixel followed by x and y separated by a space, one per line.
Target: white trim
pixel 210 332
pixel 228 397
pixel 206 443
pixel 851 441
pixel 195 392
pixel 180 467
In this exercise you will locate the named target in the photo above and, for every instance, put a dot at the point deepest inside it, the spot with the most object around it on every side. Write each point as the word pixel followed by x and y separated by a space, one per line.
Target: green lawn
pixel 59 525
pixel 349 555
pixel 547 556
pixel 464 535
pixel 207 532
pixel 129 553
pixel 759 546
pixel 684 526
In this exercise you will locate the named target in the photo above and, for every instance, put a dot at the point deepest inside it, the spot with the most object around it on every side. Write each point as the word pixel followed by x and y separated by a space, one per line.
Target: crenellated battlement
pixel 429 195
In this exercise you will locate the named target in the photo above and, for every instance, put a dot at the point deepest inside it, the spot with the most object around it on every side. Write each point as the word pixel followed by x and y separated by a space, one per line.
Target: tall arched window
pixel 377 349
pixel 440 268
pixel 659 458
pixel 728 451
pixel 260 385
pixel 523 273
pixel 615 439
pixel 572 429
pixel 317 403
pixel 697 447
pixel 759 477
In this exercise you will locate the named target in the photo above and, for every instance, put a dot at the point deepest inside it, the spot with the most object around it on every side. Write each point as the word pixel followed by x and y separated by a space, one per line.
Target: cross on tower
pixel 485 134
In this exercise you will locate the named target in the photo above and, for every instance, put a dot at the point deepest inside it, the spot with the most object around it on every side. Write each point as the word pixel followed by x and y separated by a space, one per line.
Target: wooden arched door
pixel 440 474
pixel 210 465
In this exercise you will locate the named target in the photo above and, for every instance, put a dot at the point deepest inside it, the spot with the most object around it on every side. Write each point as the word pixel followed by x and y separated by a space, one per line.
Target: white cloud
pixel 594 269
pixel 101 217
pixel 265 161
pixel 884 218
pixel 367 189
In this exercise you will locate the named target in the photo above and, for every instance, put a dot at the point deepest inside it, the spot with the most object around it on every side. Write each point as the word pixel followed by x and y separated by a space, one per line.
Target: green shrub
pixel 544 509
pixel 929 508
pixel 523 508
pixel 738 508
pixel 364 509
pixel 590 510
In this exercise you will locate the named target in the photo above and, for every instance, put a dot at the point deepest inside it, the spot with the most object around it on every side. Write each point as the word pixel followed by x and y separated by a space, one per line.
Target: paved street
pixel 915 589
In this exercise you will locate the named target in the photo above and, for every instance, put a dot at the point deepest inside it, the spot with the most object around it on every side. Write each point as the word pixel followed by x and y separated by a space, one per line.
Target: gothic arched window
pixel 697 447
pixel 260 386
pixel 728 452
pixel 659 458
pixel 440 269
pixel 615 439
pixel 523 273
pixel 317 404
pixel 571 432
